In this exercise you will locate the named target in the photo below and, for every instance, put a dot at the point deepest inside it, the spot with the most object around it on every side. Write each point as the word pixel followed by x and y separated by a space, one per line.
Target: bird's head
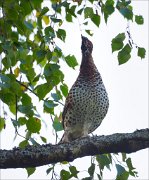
pixel 86 46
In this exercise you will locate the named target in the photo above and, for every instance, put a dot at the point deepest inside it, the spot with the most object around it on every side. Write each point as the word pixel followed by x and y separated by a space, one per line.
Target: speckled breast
pixel 89 105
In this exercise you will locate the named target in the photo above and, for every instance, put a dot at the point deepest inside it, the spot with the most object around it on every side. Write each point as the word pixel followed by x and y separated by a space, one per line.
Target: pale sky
pixel 127 87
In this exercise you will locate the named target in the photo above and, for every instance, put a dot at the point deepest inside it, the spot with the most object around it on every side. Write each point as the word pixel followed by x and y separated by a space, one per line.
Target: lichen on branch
pixel 39 155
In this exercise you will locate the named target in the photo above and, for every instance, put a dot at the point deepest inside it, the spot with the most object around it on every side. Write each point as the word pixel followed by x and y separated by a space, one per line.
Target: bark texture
pixel 39 155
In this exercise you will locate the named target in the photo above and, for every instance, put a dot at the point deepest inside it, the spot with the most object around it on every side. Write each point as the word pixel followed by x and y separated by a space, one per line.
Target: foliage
pixel 31 68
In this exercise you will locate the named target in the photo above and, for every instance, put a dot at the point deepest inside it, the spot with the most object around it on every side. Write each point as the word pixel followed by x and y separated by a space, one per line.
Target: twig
pixel 54 130
pixel 130 40
pixel 16 129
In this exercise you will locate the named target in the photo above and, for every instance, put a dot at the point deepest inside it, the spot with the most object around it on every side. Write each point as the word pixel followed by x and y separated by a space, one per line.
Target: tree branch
pixel 33 156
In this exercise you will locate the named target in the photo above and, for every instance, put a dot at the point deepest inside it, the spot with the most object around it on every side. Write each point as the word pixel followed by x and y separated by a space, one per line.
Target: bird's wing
pixel 67 107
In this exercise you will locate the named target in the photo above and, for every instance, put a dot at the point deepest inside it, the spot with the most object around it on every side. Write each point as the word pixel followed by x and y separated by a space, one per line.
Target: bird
pixel 87 102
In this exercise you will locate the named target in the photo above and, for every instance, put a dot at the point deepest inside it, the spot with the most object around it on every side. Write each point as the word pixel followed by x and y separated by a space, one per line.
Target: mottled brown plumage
pixel 87 102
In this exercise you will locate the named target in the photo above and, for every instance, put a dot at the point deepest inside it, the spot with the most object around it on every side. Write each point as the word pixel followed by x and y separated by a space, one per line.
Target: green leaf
pixel 51 69
pixel 64 162
pixel 123 4
pixel 103 160
pixel 127 13
pixel 50 104
pixel 23 144
pixel 12 56
pixel 26 110
pixel 40 55
pixel 96 19
pixel 89 32
pixel 43 90
pixel 49 170
pixel 22 121
pixel 21 26
pixel 26 7
pixel 14 36
pixel 16 88
pixel 91 169
pixel 64 89
pixel 120 169
pixel 46 20
pixel 5 81
pixel 49 32
pixel 139 19
pixel 124 54
pixel 6 62
pixel 16 72
pixel 61 34
pixel 37 78
pixel 141 52
pixel 116 45
pixel 124 156
pixel 44 11
pixel 4 78
pixel 12 15
pixel 2 123
pixel 133 173
pixel 88 12
pixel 109 6
pixel 72 10
pixel 123 176
pixel 36 4
pixel 43 139
pixel 29 25
pixel 26 99
pixel 30 171
pixel 12 77
pixel 80 11
pixel 68 17
pixel 49 55
pixel 31 74
pixel 7 46
pixel 91 1
pixel 71 61
pixel 117 42
pixel 26 63
pixel 12 108
pixel 108 9
pixel 129 164
pixel 73 171
pixel 55 96
pixel 33 125
pixel 120 37
pixel 64 174
pixel 57 125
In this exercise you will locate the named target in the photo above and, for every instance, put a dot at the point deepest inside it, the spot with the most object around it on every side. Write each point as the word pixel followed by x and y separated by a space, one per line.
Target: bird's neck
pixel 87 67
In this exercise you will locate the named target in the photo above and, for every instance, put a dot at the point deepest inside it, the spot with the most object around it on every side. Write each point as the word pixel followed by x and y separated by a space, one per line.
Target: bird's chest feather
pixel 87 102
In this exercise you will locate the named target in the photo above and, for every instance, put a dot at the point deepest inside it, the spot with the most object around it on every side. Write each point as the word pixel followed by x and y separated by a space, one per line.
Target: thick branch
pixel 33 156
